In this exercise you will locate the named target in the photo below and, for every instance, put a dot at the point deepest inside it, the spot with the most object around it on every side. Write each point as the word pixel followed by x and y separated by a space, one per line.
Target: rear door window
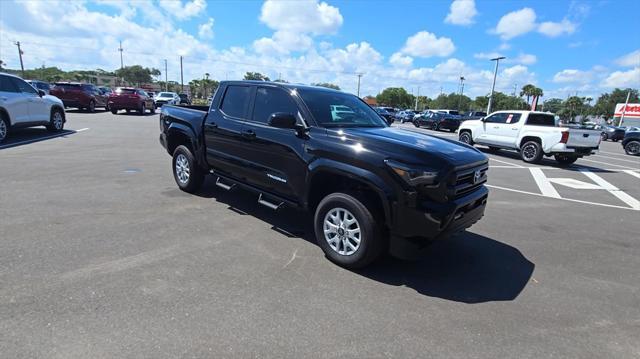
pixel 236 101
pixel 540 119
pixel 6 85
pixel 272 100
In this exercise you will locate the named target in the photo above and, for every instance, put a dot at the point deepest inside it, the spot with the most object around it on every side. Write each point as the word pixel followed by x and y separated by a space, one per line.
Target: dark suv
pixel 81 96
pixel 371 188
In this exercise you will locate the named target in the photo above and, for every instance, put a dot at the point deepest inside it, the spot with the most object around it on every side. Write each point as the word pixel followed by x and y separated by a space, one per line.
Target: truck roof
pixel 524 112
pixel 292 86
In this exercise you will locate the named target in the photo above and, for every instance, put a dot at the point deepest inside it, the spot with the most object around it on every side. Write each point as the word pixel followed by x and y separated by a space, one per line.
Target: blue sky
pixel 586 47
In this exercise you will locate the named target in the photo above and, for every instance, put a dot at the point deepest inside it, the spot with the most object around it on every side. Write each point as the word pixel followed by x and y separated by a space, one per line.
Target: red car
pixel 131 99
pixel 79 95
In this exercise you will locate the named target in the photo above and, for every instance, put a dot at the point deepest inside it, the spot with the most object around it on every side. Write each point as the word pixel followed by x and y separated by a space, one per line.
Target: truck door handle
pixel 212 125
pixel 496 127
pixel 514 128
pixel 249 134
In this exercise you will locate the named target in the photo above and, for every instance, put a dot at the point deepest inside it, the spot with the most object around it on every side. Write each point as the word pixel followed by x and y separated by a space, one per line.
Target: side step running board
pixel 268 204
pixel 222 185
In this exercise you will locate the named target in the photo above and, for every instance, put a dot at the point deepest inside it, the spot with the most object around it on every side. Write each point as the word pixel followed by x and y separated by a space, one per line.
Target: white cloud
pixel 304 16
pixel 205 31
pixel 283 42
pixel 426 44
pixel 397 59
pixel 629 60
pixel 623 79
pixel 525 59
pixel 555 29
pixel 516 23
pixel 486 55
pixel 572 76
pixel 461 12
pixel 183 11
pixel 504 46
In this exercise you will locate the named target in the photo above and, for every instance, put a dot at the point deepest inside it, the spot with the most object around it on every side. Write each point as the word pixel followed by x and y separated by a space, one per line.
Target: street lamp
pixel 495 73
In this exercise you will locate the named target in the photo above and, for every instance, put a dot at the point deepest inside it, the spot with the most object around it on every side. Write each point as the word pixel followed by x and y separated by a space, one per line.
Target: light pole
pixel 493 86
pixel 461 91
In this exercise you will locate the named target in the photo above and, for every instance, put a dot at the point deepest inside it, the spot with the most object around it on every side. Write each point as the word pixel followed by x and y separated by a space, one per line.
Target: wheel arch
pixel 331 176
pixel 533 138
pixel 59 108
pixel 5 114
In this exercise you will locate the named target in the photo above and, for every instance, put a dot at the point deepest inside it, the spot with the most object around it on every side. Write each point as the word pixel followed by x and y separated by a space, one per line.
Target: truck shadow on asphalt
pixel 468 268
pixel 25 136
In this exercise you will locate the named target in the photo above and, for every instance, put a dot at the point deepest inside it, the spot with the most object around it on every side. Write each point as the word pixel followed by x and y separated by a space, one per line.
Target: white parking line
pixel 611 153
pixel 619 159
pixel 606 163
pixel 633 173
pixel 634 203
pixel 561 199
pixel 505 162
pixel 543 183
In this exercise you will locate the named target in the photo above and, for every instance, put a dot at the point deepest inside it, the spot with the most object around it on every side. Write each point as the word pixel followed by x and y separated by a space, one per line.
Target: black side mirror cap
pixel 41 93
pixel 283 120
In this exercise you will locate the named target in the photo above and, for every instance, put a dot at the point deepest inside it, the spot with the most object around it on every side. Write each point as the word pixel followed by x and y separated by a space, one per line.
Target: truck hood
pixel 410 146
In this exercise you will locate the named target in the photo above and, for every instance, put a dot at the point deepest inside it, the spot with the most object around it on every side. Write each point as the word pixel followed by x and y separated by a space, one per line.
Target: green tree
pixel 255 76
pixel 135 74
pixel 528 90
pixel 327 85
pixel 395 97
pixel 606 103
pixel 553 105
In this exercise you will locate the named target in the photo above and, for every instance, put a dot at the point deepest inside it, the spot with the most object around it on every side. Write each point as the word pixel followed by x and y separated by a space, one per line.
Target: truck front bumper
pixel 414 228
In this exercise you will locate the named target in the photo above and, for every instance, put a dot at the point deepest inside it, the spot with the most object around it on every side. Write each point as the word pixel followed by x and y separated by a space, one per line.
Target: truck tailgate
pixel 583 138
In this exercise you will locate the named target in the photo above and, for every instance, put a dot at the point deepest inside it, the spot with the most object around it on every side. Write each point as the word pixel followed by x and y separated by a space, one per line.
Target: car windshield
pixel 165 94
pixel 336 109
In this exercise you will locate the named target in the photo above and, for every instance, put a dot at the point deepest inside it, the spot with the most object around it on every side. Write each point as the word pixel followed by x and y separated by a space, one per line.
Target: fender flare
pixel 372 180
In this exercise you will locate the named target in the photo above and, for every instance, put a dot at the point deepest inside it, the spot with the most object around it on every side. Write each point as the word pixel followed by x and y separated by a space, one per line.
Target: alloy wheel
pixel 3 130
pixel 182 168
pixel 57 120
pixel 633 148
pixel 342 231
pixel 529 152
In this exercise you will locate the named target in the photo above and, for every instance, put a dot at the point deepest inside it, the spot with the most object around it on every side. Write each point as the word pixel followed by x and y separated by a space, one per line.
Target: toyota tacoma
pixel 371 188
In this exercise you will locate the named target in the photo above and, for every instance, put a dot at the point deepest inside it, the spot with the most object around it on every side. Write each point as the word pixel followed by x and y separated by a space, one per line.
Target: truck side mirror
pixel 41 93
pixel 283 120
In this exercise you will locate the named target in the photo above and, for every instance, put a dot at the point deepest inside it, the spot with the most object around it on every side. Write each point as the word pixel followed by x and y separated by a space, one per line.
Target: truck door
pixel 490 127
pixel 222 131
pixel 273 155
pixel 506 134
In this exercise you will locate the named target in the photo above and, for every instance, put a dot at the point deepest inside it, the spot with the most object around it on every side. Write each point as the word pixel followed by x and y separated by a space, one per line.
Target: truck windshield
pixel 335 109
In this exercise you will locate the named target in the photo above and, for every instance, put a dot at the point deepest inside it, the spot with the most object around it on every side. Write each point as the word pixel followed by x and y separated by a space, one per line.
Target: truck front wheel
pixel 186 172
pixel 465 137
pixel 347 232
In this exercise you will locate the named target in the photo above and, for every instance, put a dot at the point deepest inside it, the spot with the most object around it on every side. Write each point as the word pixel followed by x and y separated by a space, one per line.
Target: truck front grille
pixel 468 180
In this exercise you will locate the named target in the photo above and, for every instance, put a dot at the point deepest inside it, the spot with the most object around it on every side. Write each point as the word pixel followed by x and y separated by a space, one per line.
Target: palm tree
pixel 528 90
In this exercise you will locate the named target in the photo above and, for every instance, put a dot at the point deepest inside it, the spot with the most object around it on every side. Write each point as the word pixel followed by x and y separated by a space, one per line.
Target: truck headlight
pixel 413 176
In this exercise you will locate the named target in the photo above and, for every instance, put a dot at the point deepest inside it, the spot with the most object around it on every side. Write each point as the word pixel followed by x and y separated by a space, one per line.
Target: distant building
pixel 631 114
pixel 370 100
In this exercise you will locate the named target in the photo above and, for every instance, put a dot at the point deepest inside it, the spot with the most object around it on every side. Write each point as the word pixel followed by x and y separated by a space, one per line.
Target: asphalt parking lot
pixel 101 256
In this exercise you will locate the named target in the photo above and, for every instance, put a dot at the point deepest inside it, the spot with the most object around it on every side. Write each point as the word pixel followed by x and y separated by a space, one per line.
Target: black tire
pixel 106 107
pixel 435 126
pixel 195 175
pixel 632 148
pixel 114 111
pixel 153 109
pixel 92 106
pixel 4 128
pixel 371 235
pixel 56 121
pixel 531 152
pixel 465 137
pixel 416 123
pixel 603 137
pixel 143 109
pixel 565 160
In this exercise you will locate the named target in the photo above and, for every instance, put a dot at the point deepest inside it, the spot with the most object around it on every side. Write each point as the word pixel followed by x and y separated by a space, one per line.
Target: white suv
pixel 21 106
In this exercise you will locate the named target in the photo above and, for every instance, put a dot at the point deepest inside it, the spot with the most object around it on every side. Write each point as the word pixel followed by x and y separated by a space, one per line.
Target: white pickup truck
pixel 533 134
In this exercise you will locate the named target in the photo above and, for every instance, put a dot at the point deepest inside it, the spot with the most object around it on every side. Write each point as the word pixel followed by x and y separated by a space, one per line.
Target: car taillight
pixel 565 137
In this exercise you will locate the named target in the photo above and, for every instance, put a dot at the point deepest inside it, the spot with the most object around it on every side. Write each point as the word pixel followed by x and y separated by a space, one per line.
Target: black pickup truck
pixel 373 188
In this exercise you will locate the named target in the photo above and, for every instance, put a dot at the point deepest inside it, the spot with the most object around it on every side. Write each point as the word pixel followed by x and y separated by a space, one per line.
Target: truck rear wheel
pixel 188 175
pixel 531 152
pixel 347 232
